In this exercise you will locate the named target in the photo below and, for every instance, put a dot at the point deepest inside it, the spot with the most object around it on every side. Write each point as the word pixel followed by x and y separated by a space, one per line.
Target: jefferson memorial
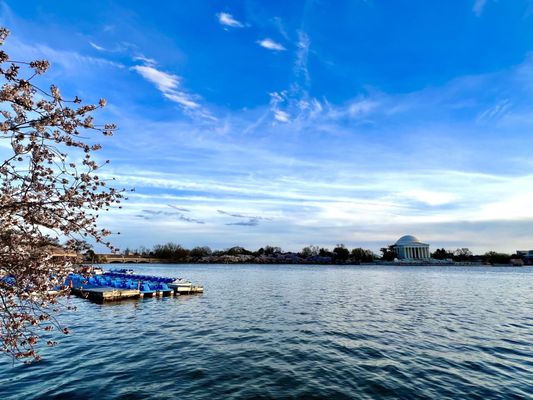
pixel 410 248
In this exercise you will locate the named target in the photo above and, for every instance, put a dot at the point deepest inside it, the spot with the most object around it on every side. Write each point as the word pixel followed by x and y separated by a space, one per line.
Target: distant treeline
pixel 340 254
pixel 465 255
pixel 178 253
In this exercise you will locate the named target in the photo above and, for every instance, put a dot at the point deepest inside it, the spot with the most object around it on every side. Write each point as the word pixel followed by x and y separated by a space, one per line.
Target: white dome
pixel 408 239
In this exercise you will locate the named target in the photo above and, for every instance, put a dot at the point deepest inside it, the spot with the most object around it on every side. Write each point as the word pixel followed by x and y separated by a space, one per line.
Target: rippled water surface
pixel 308 332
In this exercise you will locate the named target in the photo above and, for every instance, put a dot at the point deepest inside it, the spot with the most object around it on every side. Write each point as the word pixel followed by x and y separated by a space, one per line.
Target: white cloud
pixel 167 84
pixel 495 112
pixel 70 61
pixel 95 46
pixel 281 116
pixel 277 98
pixel 182 98
pixel 145 60
pixel 278 24
pixel 478 7
pixel 361 107
pixel 517 206
pixel 358 108
pixel 302 55
pixel 227 19
pixel 428 197
pixel 271 45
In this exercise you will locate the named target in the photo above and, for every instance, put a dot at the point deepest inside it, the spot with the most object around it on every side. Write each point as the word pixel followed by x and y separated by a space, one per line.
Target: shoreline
pixel 381 263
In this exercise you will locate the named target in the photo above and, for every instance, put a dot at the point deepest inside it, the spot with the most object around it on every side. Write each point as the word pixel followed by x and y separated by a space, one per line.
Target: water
pixel 309 332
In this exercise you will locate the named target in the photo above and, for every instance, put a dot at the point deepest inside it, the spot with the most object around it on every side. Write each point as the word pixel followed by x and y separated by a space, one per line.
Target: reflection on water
pixel 266 331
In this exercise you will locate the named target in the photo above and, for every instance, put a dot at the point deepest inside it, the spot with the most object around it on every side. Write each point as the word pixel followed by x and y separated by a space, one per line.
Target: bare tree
pixel 309 251
pixel 44 193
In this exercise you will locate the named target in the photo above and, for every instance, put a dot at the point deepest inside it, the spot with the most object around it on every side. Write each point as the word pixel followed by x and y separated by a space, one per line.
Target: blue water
pixel 309 332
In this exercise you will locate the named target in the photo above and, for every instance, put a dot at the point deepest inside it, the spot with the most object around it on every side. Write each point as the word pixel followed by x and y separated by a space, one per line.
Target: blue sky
pixel 303 122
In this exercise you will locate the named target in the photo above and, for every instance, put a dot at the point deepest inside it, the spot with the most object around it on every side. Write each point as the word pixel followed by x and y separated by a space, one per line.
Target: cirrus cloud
pixel 270 44
pixel 226 19
pixel 167 84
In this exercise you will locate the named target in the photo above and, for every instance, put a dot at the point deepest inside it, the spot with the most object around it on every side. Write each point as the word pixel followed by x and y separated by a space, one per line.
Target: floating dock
pixel 103 294
pixel 124 284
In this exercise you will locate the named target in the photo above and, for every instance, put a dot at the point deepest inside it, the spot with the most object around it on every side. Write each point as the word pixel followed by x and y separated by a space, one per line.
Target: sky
pixel 319 122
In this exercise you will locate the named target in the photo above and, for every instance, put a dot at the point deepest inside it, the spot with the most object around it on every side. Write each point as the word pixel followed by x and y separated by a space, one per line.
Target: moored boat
pixel 123 271
pixel 183 286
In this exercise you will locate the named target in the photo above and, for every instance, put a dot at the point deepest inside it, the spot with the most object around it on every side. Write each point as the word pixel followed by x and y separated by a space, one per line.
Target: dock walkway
pixel 101 294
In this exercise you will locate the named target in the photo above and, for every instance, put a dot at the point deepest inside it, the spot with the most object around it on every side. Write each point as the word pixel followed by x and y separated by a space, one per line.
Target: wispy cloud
pixel 150 214
pixel 97 47
pixel 278 24
pixel 157 214
pixel 121 47
pixel 193 220
pixel 302 55
pixel 361 107
pixel 145 60
pixel 183 99
pixel 238 215
pixel 167 84
pixel 226 19
pixel 281 116
pixel 478 7
pixel 179 208
pixel 429 197
pixel 495 112
pixel 271 45
pixel 251 219
pixel 295 104
pixel 357 108
pixel 250 222
pixel 71 61
pixel 277 99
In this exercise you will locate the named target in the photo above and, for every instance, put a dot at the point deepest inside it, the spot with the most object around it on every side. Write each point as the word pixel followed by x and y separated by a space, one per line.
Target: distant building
pixel 525 255
pixel 59 253
pixel 408 247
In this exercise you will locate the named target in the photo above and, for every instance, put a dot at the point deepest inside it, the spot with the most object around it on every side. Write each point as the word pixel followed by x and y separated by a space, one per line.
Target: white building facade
pixel 408 247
